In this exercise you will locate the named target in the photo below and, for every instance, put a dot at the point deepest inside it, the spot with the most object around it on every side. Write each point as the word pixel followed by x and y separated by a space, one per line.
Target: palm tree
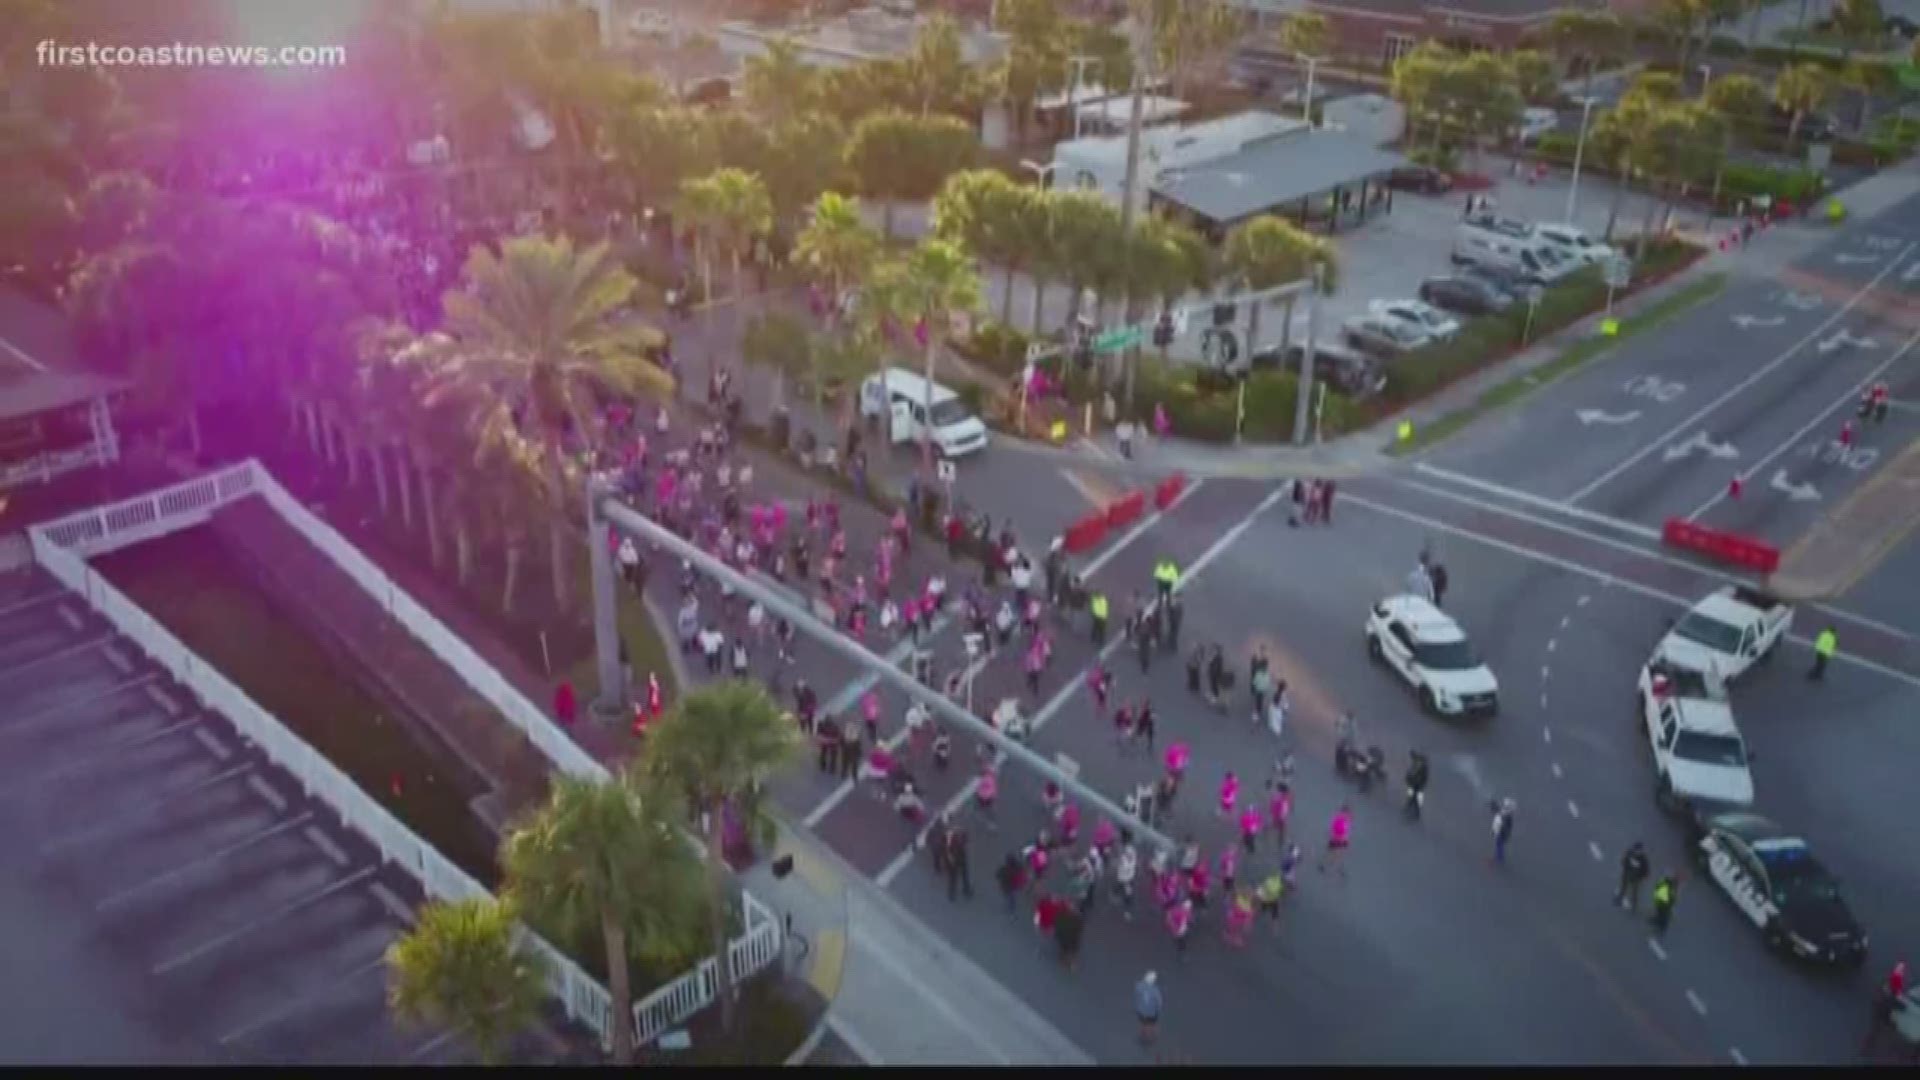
pixel 1188 35
pixel 717 748
pixel 1741 104
pixel 541 336
pixel 1309 37
pixel 1087 241
pixel 607 859
pixel 1593 36
pixel 896 156
pixel 942 79
pixel 460 968
pixel 658 148
pixel 1268 252
pixel 940 281
pixel 982 209
pixel 837 246
pixel 805 158
pixel 1800 89
pixel 779 84
pixel 1169 261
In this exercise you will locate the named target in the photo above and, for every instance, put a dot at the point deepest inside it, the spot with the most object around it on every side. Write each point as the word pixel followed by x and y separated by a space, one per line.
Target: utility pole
pixel 1078 65
pixel 1142 55
pixel 1303 390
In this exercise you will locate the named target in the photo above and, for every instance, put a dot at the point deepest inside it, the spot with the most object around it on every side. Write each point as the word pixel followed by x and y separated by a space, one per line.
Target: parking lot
pixel 174 896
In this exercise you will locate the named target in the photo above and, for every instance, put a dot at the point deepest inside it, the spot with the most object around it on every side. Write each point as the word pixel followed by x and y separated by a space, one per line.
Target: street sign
pixel 1042 350
pixel 1125 337
pixel 1617 272
pixel 945 471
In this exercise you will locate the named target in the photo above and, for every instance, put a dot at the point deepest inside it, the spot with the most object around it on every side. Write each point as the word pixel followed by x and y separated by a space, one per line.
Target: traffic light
pixel 1223 313
pixel 1163 330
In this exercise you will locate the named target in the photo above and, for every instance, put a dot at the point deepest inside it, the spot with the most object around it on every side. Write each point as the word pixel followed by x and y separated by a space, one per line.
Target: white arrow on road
pixel 1801 492
pixel 1595 416
pixel 1802 301
pixel 1841 338
pixel 1845 259
pixel 1702 442
pixel 1748 322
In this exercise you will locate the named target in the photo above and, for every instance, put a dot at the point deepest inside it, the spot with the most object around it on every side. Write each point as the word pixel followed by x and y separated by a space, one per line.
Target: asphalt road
pixel 1755 384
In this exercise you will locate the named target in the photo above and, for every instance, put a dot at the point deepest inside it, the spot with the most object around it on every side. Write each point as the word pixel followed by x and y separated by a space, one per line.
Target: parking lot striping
pixel 177 872
pixel 1693 999
pixel 1538 502
pixel 265 790
pixel 214 746
pixel 1573 808
pixel 58 655
pixel 1754 376
pixel 1738 1057
pixel 141 814
pixel 1059 700
pixel 221 941
pixel 1601 576
pixel 326 845
pixel 1657 950
pixel 849 694
pixel 68 616
pixel 860 1047
pixel 395 906
pixel 37 784
pixel 160 696
pixel 1557 775
pixel 1846 400
pixel 32 602
pixel 1595 849
pixel 119 660
pixel 299 1004
pixel 1583 601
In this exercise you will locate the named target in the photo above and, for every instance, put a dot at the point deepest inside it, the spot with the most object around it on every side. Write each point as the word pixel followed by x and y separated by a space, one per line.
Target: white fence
pixel 48 464
pixel 61 547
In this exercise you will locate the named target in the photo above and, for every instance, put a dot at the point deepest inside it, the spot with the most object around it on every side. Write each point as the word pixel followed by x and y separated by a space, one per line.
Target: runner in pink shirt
pixel 1229 793
pixel 1339 836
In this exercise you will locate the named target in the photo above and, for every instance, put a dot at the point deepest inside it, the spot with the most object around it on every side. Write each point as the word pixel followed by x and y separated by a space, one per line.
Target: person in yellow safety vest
pixel 1097 607
pixel 1823 647
pixel 1165 577
pixel 1663 903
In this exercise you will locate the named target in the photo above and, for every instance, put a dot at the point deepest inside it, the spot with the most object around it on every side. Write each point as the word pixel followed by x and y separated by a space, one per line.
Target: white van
pixel 1573 242
pixel 917 406
pixel 1534 261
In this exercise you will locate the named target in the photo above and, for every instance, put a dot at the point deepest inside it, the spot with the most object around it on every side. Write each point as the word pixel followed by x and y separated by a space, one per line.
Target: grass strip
pixel 1570 360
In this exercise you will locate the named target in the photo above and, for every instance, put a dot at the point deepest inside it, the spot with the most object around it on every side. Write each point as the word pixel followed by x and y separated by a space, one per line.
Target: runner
pixel 1147 1003
pixel 1339 836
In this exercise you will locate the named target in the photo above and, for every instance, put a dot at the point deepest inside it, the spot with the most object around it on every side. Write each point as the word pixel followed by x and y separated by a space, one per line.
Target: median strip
pixel 1570 359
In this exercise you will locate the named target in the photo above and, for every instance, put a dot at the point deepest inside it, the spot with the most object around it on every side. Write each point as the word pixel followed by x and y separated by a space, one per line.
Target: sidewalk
pixel 901 995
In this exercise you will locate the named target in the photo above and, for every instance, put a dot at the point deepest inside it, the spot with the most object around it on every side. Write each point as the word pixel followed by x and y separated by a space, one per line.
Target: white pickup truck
pixel 1727 632
pixel 1699 758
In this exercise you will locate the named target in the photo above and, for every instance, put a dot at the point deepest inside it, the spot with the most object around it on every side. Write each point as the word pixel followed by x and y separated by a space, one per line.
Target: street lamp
pixel 1306 104
pixel 1579 150
pixel 1706 78
pixel 1040 172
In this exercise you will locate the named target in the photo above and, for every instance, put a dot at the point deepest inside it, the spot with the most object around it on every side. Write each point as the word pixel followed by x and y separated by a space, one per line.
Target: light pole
pixel 1306 103
pixel 1079 64
pixel 1706 78
pixel 1579 150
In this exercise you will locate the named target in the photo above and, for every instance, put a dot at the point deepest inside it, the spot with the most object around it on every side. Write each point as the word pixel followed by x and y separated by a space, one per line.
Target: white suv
pixel 1419 314
pixel 1699 758
pixel 1428 649
pixel 1574 243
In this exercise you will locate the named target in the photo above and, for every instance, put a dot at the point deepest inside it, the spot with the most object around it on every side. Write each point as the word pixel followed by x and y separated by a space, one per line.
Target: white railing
pixel 48 464
pixel 60 547
pixel 483 677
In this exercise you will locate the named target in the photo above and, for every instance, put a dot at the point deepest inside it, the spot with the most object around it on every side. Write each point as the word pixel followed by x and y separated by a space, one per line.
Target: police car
pixel 1773 879
pixel 1429 650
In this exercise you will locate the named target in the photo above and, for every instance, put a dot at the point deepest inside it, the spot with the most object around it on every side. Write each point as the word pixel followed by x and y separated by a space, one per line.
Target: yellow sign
pixel 1406 430
pixel 1836 212
pixel 1059 431
pixel 1609 327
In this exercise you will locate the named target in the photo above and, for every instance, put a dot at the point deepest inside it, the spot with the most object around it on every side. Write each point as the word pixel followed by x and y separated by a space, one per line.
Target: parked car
pixel 1466 294
pixel 1424 179
pixel 1423 316
pixel 1573 242
pixel 1518 286
pixel 1346 369
pixel 1382 337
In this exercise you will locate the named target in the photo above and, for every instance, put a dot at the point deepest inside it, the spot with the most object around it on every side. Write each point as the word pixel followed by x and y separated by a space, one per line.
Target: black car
pixel 1346 370
pixel 1466 294
pixel 1776 884
pixel 1424 179
pixel 1519 287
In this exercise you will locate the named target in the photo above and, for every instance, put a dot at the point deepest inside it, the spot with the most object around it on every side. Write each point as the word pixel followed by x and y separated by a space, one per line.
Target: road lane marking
pixel 265 791
pixel 1564 620
pixel 891 743
pixel 1601 576
pixel 1595 849
pixel 1693 999
pixel 1553 643
pixel 207 859
pixel 1657 950
pixel 1849 398
pixel 1573 808
pixel 860 1047
pixel 301 1002
pixel 1546 734
pixel 1738 1057
pixel 1557 774
pixel 326 845
pixel 1543 699
pixel 1543 672
pixel 214 746
pixel 1059 700
pixel 395 906
pixel 1755 376
pixel 1538 502
pixel 1584 598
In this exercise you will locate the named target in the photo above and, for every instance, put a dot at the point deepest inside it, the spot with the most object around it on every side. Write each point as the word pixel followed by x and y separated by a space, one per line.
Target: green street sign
pixel 1125 337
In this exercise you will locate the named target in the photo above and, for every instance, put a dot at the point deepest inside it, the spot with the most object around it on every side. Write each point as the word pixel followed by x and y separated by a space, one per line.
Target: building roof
pixel 25 391
pixel 1273 173
pixel 1117 111
pixel 1186 146
pixel 861 35
pixel 1491 10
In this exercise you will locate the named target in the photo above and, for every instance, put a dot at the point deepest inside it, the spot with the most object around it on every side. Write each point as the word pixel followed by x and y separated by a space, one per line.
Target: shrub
pixel 997 347
pixel 1742 180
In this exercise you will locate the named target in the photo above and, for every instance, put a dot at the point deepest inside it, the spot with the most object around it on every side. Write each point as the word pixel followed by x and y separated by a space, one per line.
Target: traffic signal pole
pixel 608 509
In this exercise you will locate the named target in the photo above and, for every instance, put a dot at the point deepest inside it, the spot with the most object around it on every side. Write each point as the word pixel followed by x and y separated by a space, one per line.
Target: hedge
pixel 1738 179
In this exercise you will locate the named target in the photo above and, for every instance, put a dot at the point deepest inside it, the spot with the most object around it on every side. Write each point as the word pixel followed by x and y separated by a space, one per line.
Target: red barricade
pixel 1085 534
pixel 1725 547
pixel 1169 490
pixel 1127 510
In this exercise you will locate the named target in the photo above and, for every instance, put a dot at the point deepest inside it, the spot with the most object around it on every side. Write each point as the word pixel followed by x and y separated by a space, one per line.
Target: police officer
pixel 1165 576
pixel 1664 892
pixel 1633 871
pixel 1823 647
